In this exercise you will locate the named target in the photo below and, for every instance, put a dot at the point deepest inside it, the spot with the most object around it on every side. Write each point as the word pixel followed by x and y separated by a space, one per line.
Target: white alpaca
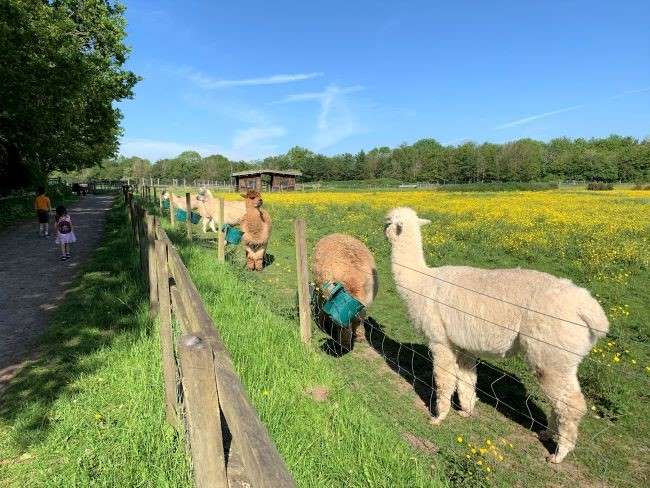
pixel 461 324
pixel 195 203
pixel 232 211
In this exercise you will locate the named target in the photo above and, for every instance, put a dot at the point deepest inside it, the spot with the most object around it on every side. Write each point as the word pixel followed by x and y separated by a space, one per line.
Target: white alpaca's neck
pixel 407 256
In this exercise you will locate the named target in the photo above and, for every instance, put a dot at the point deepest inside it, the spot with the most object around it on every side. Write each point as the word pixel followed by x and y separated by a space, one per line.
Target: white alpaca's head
pixel 201 195
pixel 403 224
pixel 165 195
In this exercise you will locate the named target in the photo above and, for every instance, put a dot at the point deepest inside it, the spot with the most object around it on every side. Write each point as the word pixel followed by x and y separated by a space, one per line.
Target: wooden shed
pixel 265 179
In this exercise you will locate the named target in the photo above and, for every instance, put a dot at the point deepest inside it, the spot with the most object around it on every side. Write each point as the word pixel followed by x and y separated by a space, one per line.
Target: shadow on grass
pixel 106 302
pixel 495 386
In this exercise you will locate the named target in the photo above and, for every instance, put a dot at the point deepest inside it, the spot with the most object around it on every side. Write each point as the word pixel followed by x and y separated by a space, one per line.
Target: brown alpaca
pixel 256 225
pixel 340 258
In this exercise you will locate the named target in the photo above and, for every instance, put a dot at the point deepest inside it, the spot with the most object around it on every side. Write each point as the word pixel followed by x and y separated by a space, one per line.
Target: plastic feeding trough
pixel 233 234
pixel 165 204
pixel 181 216
pixel 340 305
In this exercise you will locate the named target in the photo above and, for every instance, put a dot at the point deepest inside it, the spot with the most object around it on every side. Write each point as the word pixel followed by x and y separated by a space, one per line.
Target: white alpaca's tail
pixel 597 322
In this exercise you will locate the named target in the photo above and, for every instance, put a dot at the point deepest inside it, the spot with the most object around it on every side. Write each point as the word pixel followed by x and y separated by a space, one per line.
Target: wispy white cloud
pixel 631 92
pixel 155 149
pixel 246 144
pixel 254 135
pixel 335 121
pixel 328 92
pixel 531 118
pixel 210 83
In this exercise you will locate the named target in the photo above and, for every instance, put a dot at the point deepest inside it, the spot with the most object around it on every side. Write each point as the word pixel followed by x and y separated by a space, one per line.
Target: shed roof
pixel 283 172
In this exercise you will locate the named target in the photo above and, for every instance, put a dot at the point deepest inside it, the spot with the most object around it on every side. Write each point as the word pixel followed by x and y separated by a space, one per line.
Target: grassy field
pixel 90 411
pixel 599 240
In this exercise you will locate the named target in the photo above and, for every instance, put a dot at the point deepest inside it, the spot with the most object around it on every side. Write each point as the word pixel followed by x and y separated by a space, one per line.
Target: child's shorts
pixel 43 216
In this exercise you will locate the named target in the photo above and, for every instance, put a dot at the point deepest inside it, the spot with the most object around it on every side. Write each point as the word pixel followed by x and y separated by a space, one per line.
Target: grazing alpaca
pixel 458 309
pixel 209 209
pixel 256 225
pixel 340 258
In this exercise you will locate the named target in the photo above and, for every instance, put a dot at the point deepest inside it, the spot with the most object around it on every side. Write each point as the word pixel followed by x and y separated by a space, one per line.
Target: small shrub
pixel 599 185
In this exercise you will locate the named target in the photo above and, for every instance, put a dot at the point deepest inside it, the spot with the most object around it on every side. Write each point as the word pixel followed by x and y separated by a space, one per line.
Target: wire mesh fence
pixel 513 410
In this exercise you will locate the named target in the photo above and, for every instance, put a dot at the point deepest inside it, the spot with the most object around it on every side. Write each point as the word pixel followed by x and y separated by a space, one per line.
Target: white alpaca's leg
pixel 212 227
pixel 563 390
pixel 445 372
pixel 204 224
pixel 551 427
pixel 466 384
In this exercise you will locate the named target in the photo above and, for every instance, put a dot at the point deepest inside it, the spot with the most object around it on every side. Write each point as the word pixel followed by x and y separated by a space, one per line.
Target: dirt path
pixel 33 280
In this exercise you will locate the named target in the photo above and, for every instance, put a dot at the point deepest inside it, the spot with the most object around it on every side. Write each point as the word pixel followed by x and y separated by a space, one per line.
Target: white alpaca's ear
pixel 423 222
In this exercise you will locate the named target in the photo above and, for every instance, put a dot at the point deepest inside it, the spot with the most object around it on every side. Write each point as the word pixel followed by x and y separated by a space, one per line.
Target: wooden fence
pixel 228 444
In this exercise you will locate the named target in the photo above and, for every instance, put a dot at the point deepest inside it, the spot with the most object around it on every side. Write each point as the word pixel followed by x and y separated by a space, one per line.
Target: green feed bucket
pixel 165 204
pixel 181 216
pixel 341 306
pixel 233 234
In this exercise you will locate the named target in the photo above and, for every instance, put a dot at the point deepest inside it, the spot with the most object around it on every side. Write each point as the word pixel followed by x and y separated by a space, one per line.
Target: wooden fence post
pixel 221 244
pixel 203 412
pixel 153 275
pixel 166 339
pixel 155 194
pixel 303 286
pixel 188 222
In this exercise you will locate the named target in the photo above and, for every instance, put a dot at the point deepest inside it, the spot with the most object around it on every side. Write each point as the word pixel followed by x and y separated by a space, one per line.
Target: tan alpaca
pixel 256 225
pixel 452 323
pixel 339 258
pixel 179 202
pixel 209 209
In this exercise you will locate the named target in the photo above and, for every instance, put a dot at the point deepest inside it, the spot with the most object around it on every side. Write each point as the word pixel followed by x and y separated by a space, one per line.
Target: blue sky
pixel 251 78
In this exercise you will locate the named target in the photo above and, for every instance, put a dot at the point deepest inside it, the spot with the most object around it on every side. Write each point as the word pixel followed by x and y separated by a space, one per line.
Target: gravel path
pixel 33 280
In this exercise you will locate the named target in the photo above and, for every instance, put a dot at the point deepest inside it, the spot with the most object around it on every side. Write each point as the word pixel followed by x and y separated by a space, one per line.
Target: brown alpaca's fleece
pixel 343 259
pixel 340 258
pixel 256 225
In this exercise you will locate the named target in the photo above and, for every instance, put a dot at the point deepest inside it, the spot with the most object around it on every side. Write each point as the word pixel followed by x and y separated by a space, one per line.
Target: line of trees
pixel 614 158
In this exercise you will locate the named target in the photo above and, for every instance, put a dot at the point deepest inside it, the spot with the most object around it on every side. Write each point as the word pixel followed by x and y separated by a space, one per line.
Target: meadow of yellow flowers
pixel 599 240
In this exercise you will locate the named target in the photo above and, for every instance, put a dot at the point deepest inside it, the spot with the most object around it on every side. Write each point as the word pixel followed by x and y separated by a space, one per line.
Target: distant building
pixel 265 179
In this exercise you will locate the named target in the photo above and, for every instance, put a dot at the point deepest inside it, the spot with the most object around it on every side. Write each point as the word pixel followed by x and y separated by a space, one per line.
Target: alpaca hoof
pixel 259 266
pixel 545 435
pixel 464 413
pixel 250 265
pixel 553 459
pixel 436 421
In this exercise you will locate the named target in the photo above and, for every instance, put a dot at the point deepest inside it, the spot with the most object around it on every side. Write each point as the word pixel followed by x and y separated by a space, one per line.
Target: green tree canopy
pixel 62 70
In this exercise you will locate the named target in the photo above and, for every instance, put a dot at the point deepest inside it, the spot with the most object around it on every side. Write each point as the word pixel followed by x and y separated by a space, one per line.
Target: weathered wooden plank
pixel 166 338
pixel 151 254
pixel 203 414
pixel 235 469
pixel 303 281
pixel 180 311
pixel 262 461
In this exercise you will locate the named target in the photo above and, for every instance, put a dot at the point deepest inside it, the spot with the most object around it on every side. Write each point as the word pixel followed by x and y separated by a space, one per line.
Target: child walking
pixel 64 231
pixel 43 209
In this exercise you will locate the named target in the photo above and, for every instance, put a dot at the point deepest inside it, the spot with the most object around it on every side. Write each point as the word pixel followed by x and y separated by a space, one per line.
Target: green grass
pixel 90 410
pixel 259 325
pixel 336 442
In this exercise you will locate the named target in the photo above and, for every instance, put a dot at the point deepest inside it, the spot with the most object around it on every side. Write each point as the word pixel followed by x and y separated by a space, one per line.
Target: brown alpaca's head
pixel 253 199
